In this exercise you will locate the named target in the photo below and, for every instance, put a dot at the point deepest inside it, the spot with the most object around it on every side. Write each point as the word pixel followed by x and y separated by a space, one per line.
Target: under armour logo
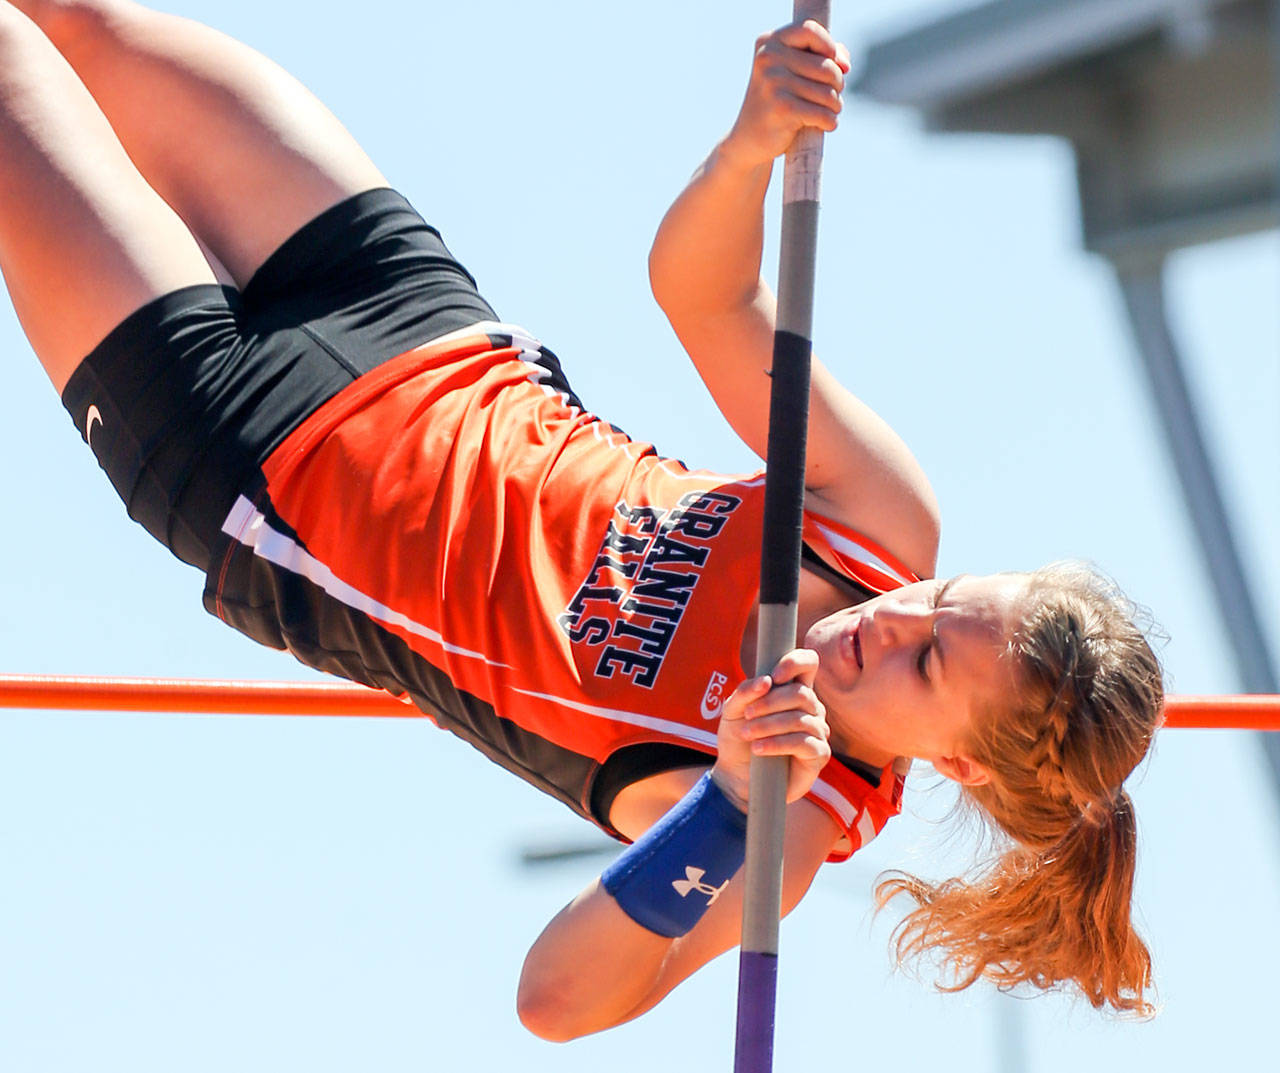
pixel 684 887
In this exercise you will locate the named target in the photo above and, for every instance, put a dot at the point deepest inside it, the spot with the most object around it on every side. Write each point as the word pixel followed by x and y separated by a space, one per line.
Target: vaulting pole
pixel 779 580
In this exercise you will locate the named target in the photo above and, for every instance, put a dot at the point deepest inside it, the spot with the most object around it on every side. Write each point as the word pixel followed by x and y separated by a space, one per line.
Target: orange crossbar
pixel 1255 711
pixel 218 697
pixel 201 696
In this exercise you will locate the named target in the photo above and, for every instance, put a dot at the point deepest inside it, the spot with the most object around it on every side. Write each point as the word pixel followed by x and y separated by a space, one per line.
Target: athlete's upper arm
pixel 811 834
pixel 861 473
pixel 858 470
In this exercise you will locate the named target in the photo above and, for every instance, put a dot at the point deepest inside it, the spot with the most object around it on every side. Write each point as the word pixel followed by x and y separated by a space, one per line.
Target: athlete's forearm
pixel 607 956
pixel 592 968
pixel 706 257
pixel 705 273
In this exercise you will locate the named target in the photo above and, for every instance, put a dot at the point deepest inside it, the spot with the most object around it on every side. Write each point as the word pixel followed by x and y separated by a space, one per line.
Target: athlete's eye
pixel 922 663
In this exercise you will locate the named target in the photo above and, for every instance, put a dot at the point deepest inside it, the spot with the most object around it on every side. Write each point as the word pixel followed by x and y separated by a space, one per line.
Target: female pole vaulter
pixel 294 386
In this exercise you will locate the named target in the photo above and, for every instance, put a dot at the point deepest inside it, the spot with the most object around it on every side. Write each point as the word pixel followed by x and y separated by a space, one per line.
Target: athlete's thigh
pixel 84 241
pixel 242 150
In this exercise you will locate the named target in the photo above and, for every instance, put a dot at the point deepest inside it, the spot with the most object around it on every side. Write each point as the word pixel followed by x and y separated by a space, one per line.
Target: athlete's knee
pixel 74 25
pixel 17 39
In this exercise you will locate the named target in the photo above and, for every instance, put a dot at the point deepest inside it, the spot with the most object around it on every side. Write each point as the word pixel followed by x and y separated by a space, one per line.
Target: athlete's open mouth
pixel 857 645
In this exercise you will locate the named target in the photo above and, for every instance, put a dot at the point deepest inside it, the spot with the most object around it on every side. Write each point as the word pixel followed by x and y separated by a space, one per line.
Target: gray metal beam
pixel 1176 140
pixel 1143 288
pixel 1005 41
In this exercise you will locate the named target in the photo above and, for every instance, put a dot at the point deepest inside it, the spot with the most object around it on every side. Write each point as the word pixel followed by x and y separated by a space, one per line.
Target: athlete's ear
pixel 962 769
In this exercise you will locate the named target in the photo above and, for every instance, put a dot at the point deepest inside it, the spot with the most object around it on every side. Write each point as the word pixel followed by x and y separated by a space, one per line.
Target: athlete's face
pixel 907 673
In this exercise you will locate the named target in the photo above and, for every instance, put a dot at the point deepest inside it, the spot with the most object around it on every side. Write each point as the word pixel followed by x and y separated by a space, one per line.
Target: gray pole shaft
pixel 766 812
pixel 1143 288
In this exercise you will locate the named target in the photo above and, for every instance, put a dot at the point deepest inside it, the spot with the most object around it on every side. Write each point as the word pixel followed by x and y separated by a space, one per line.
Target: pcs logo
pixel 713 698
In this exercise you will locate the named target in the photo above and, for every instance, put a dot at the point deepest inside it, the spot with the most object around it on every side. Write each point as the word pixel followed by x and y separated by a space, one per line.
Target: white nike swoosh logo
pixel 93 416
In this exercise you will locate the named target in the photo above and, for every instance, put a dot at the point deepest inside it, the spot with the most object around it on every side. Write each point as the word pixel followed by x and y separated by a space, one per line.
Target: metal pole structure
pixel 1143 287
pixel 779 580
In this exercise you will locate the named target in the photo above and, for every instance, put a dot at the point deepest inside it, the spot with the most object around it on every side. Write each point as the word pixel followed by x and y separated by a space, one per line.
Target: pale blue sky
pixel 213 894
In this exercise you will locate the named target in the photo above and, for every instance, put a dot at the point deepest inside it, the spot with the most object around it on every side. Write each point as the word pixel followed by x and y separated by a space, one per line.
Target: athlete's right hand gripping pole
pixel 779 580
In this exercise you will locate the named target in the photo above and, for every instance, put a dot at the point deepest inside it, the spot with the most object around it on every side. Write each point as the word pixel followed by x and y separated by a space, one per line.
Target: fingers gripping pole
pixel 779 580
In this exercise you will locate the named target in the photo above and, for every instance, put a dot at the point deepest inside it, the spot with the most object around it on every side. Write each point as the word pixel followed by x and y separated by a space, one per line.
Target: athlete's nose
pixel 896 623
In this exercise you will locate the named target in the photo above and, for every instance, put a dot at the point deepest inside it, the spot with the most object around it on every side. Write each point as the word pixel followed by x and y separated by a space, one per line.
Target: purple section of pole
pixel 757 1000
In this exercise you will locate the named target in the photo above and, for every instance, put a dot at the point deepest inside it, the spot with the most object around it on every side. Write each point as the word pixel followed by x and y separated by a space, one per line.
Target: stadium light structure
pixel 1171 109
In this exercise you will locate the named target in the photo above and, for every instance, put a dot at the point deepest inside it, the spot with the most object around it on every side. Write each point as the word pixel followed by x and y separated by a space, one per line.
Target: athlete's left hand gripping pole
pixel 779 580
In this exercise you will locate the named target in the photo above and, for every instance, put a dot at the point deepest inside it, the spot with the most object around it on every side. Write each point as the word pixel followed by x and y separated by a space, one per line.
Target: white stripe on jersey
pixel 839 802
pixel 853 550
pixel 520 337
pixel 824 790
pixel 866 828
pixel 246 525
pixel 701 737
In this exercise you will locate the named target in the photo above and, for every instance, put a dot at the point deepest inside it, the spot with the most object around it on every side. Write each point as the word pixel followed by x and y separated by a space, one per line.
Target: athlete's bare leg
pixel 241 150
pixel 84 241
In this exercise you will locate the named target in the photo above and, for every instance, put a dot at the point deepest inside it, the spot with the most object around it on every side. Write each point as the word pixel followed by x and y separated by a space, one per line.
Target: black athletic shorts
pixel 188 396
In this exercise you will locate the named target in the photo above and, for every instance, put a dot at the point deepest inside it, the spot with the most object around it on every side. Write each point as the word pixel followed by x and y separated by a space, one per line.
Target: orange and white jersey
pixel 454 527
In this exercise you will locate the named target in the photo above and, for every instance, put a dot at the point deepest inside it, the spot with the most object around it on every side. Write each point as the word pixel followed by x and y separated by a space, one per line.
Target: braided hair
pixel 1053 908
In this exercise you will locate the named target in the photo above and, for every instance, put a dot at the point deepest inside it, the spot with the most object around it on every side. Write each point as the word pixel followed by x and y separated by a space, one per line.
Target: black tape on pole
pixel 784 490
